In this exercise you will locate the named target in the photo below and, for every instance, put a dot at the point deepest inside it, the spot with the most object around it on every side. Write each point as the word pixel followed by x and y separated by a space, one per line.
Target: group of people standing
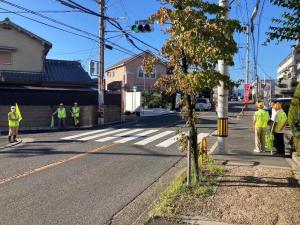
pixel 261 120
pixel 61 113
pixel 14 119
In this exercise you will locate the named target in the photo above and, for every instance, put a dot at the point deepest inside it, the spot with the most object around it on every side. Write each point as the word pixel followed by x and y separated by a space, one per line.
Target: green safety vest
pixel 61 113
pixel 75 111
pixel 13 119
pixel 282 118
pixel 261 119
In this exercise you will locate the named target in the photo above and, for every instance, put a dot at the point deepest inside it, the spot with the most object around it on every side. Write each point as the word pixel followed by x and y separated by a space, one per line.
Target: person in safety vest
pixel 280 122
pixel 61 115
pixel 13 124
pixel 260 123
pixel 75 112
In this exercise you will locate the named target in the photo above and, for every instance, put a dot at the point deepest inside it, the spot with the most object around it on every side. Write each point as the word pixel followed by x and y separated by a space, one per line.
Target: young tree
pixel 199 36
pixel 288 26
pixel 294 113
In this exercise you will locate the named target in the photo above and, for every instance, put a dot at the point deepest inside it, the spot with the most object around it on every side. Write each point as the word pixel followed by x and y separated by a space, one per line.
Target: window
pixel 140 72
pixel 5 57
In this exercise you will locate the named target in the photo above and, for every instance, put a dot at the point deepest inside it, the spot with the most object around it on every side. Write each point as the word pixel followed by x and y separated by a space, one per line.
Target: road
pixel 87 176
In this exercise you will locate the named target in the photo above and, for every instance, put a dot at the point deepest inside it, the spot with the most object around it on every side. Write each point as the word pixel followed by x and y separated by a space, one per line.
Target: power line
pixel 47 11
pixel 119 48
pixel 126 51
pixel 111 21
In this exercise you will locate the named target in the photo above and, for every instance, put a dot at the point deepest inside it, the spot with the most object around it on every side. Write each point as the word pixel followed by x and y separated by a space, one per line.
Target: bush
pixel 155 99
pixel 127 113
pixel 294 113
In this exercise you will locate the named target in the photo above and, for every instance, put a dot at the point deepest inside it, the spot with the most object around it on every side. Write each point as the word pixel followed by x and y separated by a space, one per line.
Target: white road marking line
pixel 202 135
pixel 153 138
pixel 169 141
pixel 135 136
pixel 102 134
pixel 84 134
pixel 118 135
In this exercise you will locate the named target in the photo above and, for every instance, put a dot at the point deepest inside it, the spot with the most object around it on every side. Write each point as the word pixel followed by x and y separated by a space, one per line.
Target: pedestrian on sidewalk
pixel 61 115
pixel 279 124
pixel 13 124
pixel 75 112
pixel 260 124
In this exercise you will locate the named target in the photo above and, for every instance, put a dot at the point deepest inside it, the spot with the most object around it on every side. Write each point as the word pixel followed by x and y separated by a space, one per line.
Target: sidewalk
pixel 155 112
pixel 257 188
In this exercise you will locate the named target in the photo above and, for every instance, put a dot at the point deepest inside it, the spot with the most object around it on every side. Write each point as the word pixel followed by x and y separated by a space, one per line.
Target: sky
pixel 71 47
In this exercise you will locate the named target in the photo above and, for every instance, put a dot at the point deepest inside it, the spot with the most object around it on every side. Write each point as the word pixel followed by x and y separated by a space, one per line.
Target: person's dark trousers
pixel 61 124
pixel 279 143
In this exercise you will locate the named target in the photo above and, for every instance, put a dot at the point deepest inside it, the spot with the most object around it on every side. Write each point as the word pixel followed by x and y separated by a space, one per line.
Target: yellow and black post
pixel 223 127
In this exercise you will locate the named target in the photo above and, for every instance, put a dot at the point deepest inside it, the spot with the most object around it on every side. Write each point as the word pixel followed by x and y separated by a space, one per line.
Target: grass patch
pixel 178 190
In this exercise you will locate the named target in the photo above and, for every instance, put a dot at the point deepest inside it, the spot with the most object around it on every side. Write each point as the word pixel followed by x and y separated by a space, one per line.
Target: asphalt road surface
pixel 87 176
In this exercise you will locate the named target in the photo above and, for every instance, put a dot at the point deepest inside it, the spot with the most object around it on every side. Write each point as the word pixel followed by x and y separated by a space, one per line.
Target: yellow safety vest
pixel 261 119
pixel 13 119
pixel 75 111
pixel 282 118
pixel 61 113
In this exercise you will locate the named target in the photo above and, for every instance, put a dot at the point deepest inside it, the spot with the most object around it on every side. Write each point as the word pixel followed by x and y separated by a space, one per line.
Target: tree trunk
pixel 193 137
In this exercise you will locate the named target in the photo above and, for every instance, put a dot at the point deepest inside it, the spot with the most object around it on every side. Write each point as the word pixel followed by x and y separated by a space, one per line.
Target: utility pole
pixel 223 96
pixel 101 61
pixel 247 54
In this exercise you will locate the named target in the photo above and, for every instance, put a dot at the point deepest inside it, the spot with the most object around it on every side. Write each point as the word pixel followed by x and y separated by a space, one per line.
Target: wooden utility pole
pixel 101 61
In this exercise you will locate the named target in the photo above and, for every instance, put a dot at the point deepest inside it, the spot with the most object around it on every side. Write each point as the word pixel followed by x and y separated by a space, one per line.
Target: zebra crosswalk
pixel 138 136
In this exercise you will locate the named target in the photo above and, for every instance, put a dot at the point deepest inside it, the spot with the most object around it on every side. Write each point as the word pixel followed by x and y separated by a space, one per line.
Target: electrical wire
pixel 48 11
pixel 118 48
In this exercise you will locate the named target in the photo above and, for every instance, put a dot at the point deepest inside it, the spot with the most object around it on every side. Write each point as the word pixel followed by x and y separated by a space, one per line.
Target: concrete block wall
pixel 112 114
pixel 39 117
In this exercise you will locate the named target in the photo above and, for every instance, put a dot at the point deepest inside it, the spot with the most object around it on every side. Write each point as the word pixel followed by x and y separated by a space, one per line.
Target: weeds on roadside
pixel 178 190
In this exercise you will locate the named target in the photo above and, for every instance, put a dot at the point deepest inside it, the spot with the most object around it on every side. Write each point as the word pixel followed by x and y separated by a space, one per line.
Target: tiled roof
pixel 57 72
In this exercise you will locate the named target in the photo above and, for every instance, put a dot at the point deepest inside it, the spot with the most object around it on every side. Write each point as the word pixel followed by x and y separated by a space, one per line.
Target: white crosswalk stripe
pixel 124 140
pixel 85 133
pixel 118 135
pixel 169 141
pixel 153 138
pixel 102 134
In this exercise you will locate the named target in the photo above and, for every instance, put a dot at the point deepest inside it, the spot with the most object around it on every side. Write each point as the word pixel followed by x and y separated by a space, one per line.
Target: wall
pixel 28 55
pixel 112 114
pixel 39 117
pixel 133 101
pixel 132 75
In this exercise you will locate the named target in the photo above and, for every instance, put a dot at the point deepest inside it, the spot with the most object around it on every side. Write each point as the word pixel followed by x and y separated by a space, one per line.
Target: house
pixel 288 74
pixel 128 74
pixel 39 84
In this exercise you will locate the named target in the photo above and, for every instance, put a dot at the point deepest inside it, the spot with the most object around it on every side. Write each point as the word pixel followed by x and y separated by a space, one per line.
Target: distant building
pixel 288 74
pixel 129 73
pixel 39 84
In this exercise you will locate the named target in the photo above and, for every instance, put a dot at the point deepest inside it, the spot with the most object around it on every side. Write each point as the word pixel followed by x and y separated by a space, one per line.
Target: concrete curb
pixel 295 159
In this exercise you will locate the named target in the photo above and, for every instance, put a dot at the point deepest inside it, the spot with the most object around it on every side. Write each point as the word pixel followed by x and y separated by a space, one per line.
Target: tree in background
pixel 288 26
pixel 294 113
pixel 199 36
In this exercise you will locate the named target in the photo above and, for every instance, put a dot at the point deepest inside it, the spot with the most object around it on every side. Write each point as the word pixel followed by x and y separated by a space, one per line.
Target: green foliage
pixel 294 112
pixel 154 99
pixel 199 36
pixel 178 190
pixel 288 24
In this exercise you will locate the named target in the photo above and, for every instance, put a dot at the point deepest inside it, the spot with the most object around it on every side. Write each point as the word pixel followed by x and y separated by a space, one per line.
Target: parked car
pixel 285 104
pixel 202 104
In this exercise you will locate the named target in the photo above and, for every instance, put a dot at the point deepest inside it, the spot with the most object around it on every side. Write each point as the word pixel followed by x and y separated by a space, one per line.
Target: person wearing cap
pixel 13 124
pixel 279 124
pixel 61 115
pixel 260 124
pixel 75 112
